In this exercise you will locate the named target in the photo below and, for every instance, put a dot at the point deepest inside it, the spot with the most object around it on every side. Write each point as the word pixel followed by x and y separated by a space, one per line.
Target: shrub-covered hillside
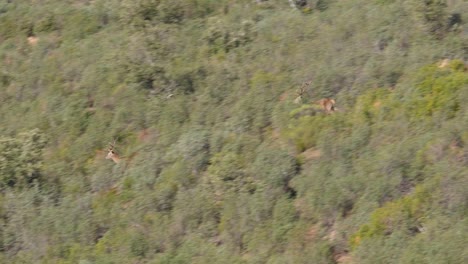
pixel 220 162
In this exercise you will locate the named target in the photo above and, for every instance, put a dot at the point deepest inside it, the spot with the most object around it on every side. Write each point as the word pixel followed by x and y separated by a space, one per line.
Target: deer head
pixel 112 154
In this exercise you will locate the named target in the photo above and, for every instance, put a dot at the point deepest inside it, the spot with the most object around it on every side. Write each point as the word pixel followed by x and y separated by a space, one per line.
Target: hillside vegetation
pixel 219 164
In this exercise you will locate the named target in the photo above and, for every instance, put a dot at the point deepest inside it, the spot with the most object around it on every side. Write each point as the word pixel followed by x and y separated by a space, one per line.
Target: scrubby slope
pixel 219 165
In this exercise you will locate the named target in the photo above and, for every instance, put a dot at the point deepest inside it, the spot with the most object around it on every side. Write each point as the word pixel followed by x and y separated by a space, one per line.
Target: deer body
pixel 32 40
pixel 327 104
pixel 444 63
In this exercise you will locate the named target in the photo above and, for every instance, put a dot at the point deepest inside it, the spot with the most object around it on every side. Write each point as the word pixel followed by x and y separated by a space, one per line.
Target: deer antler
pixel 305 85
pixel 301 91
pixel 111 146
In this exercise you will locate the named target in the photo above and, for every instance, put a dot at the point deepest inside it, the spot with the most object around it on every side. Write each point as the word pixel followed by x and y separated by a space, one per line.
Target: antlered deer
pixel 112 154
pixel 300 93
pixel 117 159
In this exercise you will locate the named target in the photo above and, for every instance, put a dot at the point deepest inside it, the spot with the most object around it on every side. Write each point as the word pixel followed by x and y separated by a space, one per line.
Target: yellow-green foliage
pixel 21 159
pixel 407 212
pixel 373 104
pixel 304 132
pixel 304 110
pixel 437 91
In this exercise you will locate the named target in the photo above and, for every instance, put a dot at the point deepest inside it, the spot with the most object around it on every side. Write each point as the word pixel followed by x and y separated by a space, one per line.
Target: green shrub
pixel 284 217
pixel 46 23
pixel 139 245
pixel 407 213
pixel 21 159
pixel 227 172
pixel 432 15
pixel 437 92
pixel 273 166
pixel 304 132
pixel 88 21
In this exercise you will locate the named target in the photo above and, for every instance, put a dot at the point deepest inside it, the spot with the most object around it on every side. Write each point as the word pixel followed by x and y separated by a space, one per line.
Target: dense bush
pixel 218 163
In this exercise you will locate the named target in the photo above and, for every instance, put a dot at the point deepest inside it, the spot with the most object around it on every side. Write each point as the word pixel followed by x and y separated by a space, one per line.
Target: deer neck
pixel 116 159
